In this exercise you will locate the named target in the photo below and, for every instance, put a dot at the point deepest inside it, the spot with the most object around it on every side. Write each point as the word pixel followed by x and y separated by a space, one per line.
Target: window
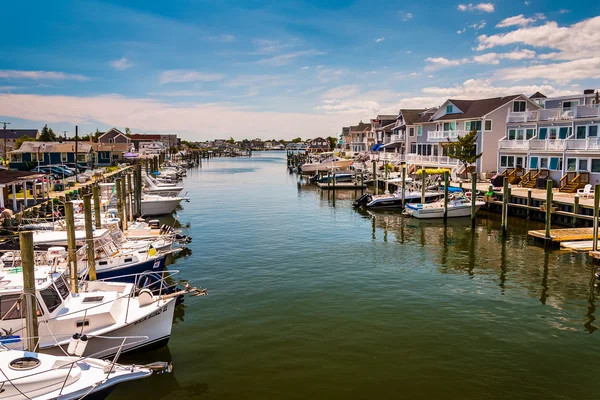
pixel 580 132
pixel 571 164
pixel 503 161
pixel 595 164
pixel 593 131
pixel 543 163
pixel 583 164
pixel 449 126
pixel 62 287
pixel 533 163
pixel 529 133
pixel 34 157
pixel 413 148
pixel 8 307
pixel 420 130
pixel 16 158
pixel 449 109
pixel 470 125
pixel 553 133
pixel 411 131
pixel 511 162
pixel 51 298
pixel 512 134
pixel 519 106
pixel 519 162
pixel 488 124
pixel 435 150
pixel 81 157
pixel 563 132
pixel 520 134
pixel 111 140
pixel 570 104
pixel 542 133
pixel 64 157
pixel 554 164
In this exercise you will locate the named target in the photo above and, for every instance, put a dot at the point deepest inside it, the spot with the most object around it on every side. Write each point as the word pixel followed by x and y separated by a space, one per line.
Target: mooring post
pixel 473 196
pixel 124 204
pixel 119 201
pixel 97 217
pixel 575 210
pixel 28 264
pixel 386 177
pixel 89 237
pixel 72 246
pixel 596 205
pixel 403 184
pixel 129 196
pixel 375 177
pixel 362 183
pixel 504 204
pixel 333 183
pixel 528 203
pixel 446 190
pixel 423 177
pixel 548 207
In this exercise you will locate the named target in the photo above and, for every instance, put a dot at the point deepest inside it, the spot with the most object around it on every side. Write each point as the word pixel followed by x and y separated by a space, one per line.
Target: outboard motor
pixel 363 200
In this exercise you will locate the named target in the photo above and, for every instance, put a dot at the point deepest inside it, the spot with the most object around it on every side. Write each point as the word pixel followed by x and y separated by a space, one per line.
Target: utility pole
pixel 5 123
pixel 76 151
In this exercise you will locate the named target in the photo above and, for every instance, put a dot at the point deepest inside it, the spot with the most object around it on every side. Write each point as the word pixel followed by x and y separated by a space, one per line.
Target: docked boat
pixel 154 205
pixel 163 189
pixel 337 177
pixel 29 375
pixel 458 206
pixel 394 200
pixel 332 163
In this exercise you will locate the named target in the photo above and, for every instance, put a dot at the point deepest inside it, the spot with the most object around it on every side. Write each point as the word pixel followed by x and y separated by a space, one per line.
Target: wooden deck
pixel 583 245
pixel 341 186
pixel 565 235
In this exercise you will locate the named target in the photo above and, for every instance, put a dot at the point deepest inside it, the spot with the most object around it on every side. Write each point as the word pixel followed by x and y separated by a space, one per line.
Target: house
pixel 318 145
pixel 10 136
pixel 560 141
pixel 137 138
pixel 113 135
pixel 346 139
pixel 383 127
pixel 404 130
pixel 361 136
pixel 30 154
pixel 105 154
pixel 457 118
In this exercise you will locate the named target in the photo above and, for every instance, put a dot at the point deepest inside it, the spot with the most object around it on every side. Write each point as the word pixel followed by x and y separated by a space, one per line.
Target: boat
pixel 328 164
pixel 458 206
pixel 153 205
pixel 152 187
pixel 30 375
pixel 394 200
pixel 338 178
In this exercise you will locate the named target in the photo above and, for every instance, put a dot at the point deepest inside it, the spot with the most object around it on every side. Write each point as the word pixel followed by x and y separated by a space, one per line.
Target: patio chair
pixel 586 191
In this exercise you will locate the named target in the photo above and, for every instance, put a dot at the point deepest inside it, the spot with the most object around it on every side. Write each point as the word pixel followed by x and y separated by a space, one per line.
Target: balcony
pixel 443 161
pixel 505 144
pixel 583 144
pixel 548 144
pixel 554 114
pixel 444 136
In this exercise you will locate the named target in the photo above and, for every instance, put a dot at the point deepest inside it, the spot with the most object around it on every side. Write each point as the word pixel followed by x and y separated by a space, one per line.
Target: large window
pixel 571 164
pixel 449 126
pixel 34 157
pixel 533 162
pixel 564 132
pixel 470 125
pixel 595 164
pixel 593 131
pixel 570 104
pixel 580 132
pixel 519 106
pixel 420 130
pixel 542 133
pixel 81 157
pixel 512 133
pixel 17 158
pixel 530 133
pixel 583 164
pixel 555 163
pixel 543 162
pixel 9 309
pixel 553 133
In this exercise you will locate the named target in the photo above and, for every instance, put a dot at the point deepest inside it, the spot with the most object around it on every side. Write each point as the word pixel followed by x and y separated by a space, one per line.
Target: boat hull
pixel 316 167
pixel 153 265
pixel 438 212
pixel 152 208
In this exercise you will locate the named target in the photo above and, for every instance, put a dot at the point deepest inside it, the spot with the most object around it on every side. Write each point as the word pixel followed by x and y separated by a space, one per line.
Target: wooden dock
pixel 341 186
pixel 564 235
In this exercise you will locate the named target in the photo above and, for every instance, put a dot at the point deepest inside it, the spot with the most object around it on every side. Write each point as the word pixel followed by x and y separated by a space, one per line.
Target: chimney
pixel 589 91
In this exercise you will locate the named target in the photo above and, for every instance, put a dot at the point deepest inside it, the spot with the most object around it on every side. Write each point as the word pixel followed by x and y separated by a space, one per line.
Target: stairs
pixel 572 181
pixel 514 176
pixel 529 179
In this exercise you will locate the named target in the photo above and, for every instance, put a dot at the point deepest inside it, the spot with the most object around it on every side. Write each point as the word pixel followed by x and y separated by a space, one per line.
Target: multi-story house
pixel 346 139
pixel 457 118
pixel 559 141
pixel 361 135
pixel 405 130
pixel 318 145
pixel 383 126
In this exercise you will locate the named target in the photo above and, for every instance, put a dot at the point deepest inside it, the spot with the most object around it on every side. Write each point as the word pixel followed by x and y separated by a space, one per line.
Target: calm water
pixel 309 298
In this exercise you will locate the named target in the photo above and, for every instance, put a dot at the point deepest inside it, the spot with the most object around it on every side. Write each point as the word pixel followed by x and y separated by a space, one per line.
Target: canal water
pixel 309 298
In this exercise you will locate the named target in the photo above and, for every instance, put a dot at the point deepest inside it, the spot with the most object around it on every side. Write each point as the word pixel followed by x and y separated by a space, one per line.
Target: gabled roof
pixel 538 95
pixel 361 127
pixel 144 136
pixel 476 108
pixel 386 117
pixel 19 133
pixel 426 115
pixel 411 115
pixel 53 147
pixel 112 130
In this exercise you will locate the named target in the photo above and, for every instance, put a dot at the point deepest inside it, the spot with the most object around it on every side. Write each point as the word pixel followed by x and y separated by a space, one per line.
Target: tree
pixel 464 149
pixel 47 135
pixel 597 98
pixel 230 140
pixel 332 142
pixel 127 132
pixel 296 140
pixel 23 139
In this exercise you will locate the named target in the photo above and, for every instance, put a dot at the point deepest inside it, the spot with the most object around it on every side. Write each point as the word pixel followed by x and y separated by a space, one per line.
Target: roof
pixel 386 117
pixel 360 127
pixel 144 136
pixel 18 133
pixel 111 130
pixel 411 115
pixel 426 116
pixel 111 146
pixel 52 147
pixel 477 108
pixel 7 177
pixel 538 95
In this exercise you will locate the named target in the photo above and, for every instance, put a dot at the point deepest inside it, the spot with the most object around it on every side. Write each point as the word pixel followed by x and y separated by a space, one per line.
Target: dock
pixel 565 235
pixel 341 186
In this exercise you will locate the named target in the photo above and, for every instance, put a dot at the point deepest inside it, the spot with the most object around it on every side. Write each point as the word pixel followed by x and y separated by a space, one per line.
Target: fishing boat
pixel 458 206
pixel 28 375
pixel 331 163
pixel 154 205
pixel 152 187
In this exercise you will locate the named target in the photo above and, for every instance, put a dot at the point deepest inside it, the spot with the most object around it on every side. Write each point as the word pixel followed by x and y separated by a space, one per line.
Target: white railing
pixel 590 111
pixel 548 144
pixel 398 138
pixel 583 144
pixel 555 114
pixel 527 116
pixel 412 158
pixel 505 144
pixel 438 136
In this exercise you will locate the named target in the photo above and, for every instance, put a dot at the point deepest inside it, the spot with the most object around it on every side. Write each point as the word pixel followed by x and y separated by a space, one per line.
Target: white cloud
pixel 481 7
pixel 188 75
pixel 256 81
pixel 479 25
pixel 405 16
pixel 461 31
pixel 341 92
pixel 326 75
pixel 520 20
pixel 284 59
pixel 588 68
pixel 527 3
pixel 494 58
pixel 436 63
pixel 564 11
pixel 37 75
pixel 408 52
pixel 305 67
pixel 121 64
pixel 379 40
pixel 222 38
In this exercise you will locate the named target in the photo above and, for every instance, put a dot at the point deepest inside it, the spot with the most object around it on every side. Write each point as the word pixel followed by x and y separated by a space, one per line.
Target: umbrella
pixel 130 155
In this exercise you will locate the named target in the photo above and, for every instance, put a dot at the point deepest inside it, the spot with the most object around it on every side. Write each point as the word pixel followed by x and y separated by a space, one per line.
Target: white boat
pixel 458 206
pixel 328 164
pixel 29 375
pixel 394 200
pixel 152 187
pixel 100 309
pixel 153 205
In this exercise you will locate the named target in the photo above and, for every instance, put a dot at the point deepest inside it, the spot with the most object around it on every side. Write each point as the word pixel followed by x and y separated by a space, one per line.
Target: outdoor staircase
pixel 530 178
pixel 572 181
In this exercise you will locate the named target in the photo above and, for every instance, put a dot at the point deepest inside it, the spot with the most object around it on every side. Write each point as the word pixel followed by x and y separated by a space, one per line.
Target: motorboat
pixel 336 176
pixel 331 163
pixel 29 375
pixel 459 205
pixel 394 200
pixel 161 189
pixel 153 205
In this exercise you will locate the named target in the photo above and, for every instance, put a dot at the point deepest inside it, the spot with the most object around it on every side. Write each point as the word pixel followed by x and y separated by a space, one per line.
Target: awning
pixel 377 147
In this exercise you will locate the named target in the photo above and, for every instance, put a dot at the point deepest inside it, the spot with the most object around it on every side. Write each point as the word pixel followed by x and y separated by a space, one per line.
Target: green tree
pixel 332 142
pixel 96 135
pixel 22 139
pixel 296 140
pixel 230 140
pixel 464 149
pixel 127 132
pixel 47 135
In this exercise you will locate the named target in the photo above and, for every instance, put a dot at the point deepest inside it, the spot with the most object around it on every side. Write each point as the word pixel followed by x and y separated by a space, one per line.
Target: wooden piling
pixel 375 177
pixel 504 204
pixel 423 176
pixel 362 183
pixel 596 205
pixel 403 185
pixel 72 246
pixel 529 191
pixel 386 177
pixel 138 192
pixel 473 196
pixel 28 264
pixel 124 204
pixel 446 190
pixel 97 216
pixel 548 207
pixel 575 210
pixel 89 237
pixel 119 201
pixel 129 196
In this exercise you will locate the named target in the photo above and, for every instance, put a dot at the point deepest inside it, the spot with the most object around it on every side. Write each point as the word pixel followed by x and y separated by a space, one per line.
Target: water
pixel 309 298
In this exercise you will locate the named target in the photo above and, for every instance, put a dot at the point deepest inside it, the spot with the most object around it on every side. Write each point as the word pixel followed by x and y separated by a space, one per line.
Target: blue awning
pixel 377 147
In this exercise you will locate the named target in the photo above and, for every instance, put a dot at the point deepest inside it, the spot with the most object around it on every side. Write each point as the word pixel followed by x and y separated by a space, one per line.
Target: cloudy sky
pixel 280 69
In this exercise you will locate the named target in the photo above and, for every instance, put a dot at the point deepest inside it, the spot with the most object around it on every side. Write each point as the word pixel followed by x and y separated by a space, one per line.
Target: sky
pixel 277 69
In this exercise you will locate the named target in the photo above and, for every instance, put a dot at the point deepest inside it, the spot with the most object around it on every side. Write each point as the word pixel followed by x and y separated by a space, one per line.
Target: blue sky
pixel 280 69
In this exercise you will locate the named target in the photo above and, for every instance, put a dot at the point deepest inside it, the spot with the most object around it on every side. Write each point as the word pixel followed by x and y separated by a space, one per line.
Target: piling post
pixel 138 191
pixel 403 185
pixel 333 183
pixel 362 183
pixel 423 176
pixel 72 246
pixel 549 207
pixel 528 203
pixel 28 264
pixel 124 204
pixel 504 204
pixel 97 217
pixel 119 201
pixel 386 177
pixel 473 196
pixel 575 210
pixel 446 189
pixel 89 237
pixel 375 177
pixel 129 196
pixel 596 205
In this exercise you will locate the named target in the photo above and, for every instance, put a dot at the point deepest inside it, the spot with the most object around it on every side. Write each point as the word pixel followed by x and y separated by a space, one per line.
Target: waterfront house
pixel 361 136
pixel 105 154
pixel 346 139
pixel 456 118
pixel 559 141
pixel 404 131
pixel 318 145
pixel 31 154
pixel 113 135
pixel 383 126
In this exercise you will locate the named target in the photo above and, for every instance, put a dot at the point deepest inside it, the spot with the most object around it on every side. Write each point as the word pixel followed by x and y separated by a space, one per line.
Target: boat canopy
pixel 377 147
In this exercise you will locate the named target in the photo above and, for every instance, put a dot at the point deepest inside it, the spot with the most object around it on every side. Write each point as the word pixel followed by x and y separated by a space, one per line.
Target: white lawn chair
pixel 586 191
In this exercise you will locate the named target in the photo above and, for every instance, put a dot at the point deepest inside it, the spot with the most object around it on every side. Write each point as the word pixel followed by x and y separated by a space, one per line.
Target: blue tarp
pixel 377 147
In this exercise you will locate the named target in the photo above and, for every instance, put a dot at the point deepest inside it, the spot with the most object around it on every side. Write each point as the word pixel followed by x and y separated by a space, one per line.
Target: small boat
pixel 328 164
pixel 394 200
pixel 153 205
pixel 459 205
pixel 29 375
pixel 338 178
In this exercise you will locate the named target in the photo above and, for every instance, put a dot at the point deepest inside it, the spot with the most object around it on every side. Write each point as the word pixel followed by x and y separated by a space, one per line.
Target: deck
pixel 565 235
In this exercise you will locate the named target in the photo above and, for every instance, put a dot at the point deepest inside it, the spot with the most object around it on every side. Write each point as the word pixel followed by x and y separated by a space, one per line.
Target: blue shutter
pixel 562 133
pixel 533 163
pixel 542 133
pixel 554 163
